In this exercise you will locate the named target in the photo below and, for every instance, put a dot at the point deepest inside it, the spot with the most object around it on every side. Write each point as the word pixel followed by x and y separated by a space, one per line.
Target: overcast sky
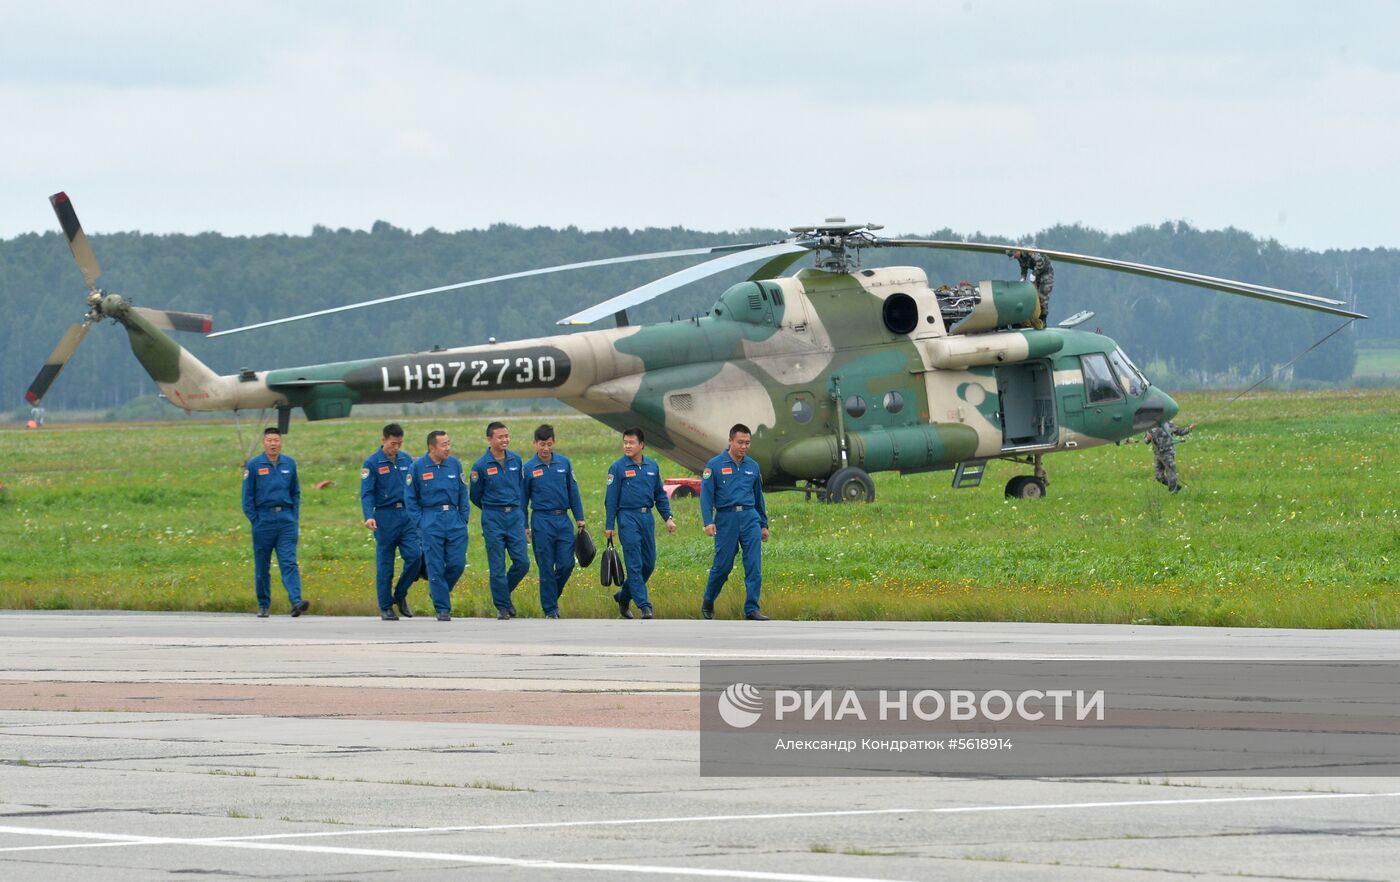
pixel 1282 119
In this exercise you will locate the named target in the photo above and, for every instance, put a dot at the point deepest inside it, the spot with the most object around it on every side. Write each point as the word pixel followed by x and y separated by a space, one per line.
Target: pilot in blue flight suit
pixel 731 505
pixel 634 488
pixel 383 480
pixel 272 501
pixel 495 489
pixel 436 500
pixel 548 495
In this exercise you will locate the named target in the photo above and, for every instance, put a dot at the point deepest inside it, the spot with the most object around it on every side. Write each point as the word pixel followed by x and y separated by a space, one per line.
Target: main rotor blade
pixel 775 267
pixel 169 320
pixel 61 353
pixel 586 264
pixel 77 239
pixel 1229 286
pixel 675 280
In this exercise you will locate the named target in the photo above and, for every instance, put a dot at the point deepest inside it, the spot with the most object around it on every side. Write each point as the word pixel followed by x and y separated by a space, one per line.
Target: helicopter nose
pixel 1156 408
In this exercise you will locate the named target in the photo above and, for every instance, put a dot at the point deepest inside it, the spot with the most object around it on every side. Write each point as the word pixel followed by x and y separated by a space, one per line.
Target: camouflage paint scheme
pixel 782 355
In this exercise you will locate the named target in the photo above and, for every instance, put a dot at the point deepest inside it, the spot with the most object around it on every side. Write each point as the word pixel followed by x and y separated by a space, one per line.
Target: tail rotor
pixel 101 304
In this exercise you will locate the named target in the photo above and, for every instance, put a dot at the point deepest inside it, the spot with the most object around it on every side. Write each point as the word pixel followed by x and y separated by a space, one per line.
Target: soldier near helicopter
pixel 1163 441
pixel 1033 263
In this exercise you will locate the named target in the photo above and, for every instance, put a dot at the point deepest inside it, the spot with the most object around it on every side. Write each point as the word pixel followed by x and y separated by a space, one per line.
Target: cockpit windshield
pixel 1129 377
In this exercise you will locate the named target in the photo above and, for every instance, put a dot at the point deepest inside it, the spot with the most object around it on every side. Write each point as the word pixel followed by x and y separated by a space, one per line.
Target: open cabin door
pixel 1027 394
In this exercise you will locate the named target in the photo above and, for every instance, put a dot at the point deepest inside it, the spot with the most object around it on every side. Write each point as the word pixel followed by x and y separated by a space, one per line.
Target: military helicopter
pixel 841 370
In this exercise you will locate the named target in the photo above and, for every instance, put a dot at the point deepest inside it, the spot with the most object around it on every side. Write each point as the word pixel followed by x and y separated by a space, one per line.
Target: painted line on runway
pixel 116 839
pixel 113 839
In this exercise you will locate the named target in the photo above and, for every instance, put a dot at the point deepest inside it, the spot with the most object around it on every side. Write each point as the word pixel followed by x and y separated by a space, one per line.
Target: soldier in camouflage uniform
pixel 1163 441
pixel 1034 263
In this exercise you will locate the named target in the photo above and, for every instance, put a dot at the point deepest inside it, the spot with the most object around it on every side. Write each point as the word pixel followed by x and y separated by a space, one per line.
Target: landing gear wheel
pixel 1025 487
pixel 849 485
pixel 683 492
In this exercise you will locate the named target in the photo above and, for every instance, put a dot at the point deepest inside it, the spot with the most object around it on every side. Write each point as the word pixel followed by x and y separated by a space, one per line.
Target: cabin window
pixel 1099 384
pixel 855 406
pixel 894 402
pixel 802 410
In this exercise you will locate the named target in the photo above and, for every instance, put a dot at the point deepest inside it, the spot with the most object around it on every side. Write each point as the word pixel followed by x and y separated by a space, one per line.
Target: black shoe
pixel 646 613
pixel 300 607
pixel 553 615
pixel 262 612
pixel 503 615
pixel 444 617
pixel 403 608
pixel 756 617
pixel 622 606
pixel 707 610
pixel 511 611
pixel 388 615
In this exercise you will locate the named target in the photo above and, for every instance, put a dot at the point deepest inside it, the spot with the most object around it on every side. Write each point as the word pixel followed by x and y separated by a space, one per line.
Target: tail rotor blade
pixel 61 353
pixel 169 320
pixel 77 239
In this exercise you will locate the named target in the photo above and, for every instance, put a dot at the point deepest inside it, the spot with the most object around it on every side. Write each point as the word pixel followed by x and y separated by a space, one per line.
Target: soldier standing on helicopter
pixel 1163 441
pixel 1033 262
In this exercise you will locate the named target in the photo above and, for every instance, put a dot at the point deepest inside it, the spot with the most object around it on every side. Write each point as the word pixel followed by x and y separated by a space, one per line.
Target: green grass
pixel 1378 363
pixel 1289 519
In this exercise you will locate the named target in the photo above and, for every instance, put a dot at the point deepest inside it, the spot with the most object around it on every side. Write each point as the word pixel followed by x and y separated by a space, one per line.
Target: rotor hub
pixel 837 243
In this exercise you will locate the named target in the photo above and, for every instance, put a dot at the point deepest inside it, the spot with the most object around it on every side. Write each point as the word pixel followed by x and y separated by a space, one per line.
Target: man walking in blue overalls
pixel 436 500
pixel 548 496
pixel 272 502
pixel 634 488
pixel 495 489
pixel 383 481
pixel 731 505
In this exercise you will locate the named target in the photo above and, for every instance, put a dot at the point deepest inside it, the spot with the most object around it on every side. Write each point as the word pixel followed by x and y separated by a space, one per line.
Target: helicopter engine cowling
pixel 907 448
pixel 999 305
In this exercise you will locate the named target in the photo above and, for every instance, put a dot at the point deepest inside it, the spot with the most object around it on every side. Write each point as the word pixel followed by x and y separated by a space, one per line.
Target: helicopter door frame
pixel 1027 406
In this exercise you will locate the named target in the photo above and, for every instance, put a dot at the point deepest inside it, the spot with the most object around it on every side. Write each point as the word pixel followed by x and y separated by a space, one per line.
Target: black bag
pixel 584 549
pixel 610 567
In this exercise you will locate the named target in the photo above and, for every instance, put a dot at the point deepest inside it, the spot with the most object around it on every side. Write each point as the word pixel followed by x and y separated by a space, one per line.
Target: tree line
pixel 1180 335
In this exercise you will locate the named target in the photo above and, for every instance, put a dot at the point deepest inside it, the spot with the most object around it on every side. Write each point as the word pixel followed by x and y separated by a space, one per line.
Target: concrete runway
pixel 154 746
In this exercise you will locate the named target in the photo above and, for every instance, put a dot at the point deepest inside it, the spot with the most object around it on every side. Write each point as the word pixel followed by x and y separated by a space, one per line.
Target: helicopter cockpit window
pixel 1134 368
pixel 1099 384
pixel 855 406
pixel 1129 378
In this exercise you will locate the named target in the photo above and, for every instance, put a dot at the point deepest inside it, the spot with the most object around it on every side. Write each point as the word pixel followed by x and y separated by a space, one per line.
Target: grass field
pixel 1290 519
pixel 1378 363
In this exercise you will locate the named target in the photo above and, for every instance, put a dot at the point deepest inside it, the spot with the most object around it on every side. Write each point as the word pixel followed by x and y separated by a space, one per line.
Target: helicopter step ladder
pixel 969 474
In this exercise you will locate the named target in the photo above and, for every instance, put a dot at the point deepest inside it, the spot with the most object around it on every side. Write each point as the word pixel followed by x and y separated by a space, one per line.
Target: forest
pixel 1183 337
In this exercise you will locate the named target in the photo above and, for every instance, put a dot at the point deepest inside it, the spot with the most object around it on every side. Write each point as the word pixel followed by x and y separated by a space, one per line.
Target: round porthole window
pixel 855 406
pixel 894 402
pixel 802 410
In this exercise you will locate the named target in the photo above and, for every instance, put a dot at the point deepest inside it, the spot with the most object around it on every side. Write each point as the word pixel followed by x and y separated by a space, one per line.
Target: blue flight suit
pixel 551 491
pixel 382 485
pixel 436 500
pixel 272 502
pixel 633 490
pixel 731 498
pixel 495 489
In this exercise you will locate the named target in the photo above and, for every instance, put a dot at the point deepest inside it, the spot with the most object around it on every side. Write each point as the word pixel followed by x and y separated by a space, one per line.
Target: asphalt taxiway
pixel 152 746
